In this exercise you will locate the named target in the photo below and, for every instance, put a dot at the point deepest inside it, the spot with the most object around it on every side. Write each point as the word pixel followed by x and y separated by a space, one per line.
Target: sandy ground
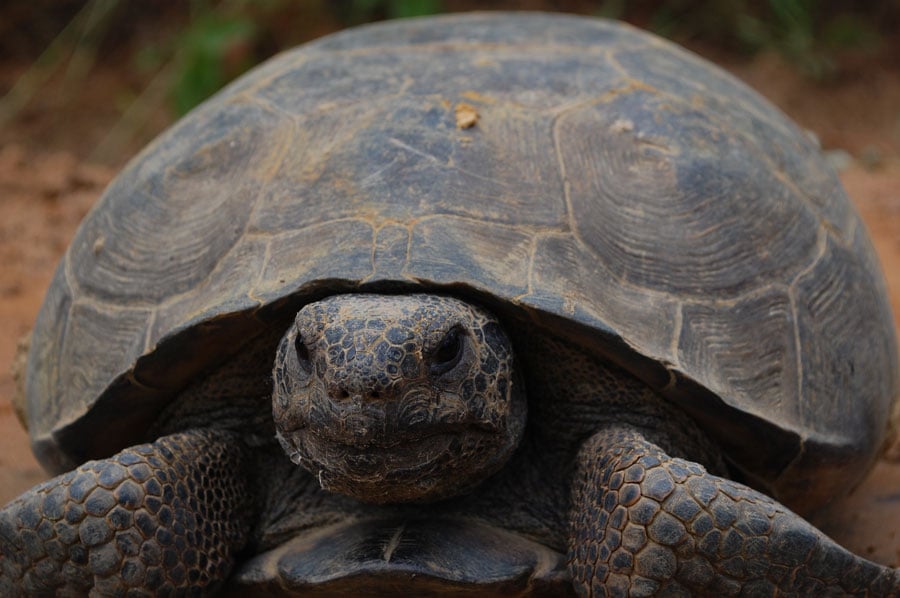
pixel 47 185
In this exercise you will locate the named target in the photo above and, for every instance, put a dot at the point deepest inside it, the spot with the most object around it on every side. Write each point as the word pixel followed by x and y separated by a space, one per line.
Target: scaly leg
pixel 153 519
pixel 644 523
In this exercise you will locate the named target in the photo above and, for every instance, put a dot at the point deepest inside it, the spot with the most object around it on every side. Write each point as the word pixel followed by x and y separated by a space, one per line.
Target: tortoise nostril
pixel 342 394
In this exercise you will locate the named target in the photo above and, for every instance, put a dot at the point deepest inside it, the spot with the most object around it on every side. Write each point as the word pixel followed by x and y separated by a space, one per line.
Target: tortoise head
pixel 397 398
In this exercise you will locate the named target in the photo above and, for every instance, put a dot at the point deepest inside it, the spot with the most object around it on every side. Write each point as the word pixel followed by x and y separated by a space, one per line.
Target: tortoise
pixel 491 304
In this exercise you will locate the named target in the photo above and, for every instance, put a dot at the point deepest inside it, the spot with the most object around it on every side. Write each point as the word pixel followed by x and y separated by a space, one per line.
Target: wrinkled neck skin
pixel 397 399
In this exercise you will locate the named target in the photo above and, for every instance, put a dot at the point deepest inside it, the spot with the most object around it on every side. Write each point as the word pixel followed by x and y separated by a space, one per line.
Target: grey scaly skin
pixel 152 519
pixel 413 399
pixel 646 523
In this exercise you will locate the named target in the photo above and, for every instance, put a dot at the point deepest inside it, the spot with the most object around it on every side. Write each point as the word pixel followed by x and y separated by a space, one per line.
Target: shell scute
pixel 167 221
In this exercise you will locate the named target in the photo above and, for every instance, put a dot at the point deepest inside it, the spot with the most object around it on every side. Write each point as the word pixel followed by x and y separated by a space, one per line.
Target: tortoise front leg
pixel 150 520
pixel 644 523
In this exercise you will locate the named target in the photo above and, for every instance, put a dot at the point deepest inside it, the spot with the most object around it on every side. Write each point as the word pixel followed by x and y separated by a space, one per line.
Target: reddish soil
pixel 50 176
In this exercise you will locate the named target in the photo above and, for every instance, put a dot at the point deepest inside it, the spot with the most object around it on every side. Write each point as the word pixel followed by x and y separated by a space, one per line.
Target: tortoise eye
pixel 447 355
pixel 302 352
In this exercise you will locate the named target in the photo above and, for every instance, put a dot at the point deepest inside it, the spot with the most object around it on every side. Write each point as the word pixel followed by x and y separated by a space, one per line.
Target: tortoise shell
pixel 580 176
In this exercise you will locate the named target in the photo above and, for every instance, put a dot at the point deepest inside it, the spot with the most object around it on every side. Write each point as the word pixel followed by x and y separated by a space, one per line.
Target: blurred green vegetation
pixel 360 11
pixel 210 53
pixel 223 40
pixel 808 33
pixel 811 34
pixel 198 46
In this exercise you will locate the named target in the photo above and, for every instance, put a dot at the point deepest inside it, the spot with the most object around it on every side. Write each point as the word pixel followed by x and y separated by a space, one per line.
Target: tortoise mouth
pixel 375 435
pixel 370 460
pixel 397 555
pixel 390 420
pixel 421 467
